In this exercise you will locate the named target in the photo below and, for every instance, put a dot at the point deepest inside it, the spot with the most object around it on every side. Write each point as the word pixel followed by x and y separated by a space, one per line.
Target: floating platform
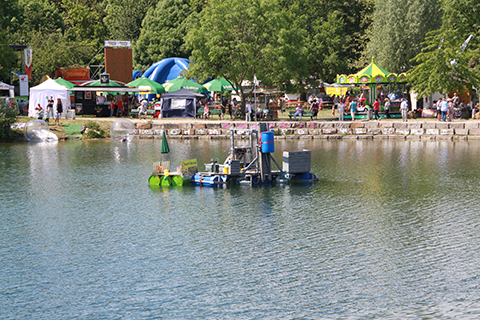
pixel 249 164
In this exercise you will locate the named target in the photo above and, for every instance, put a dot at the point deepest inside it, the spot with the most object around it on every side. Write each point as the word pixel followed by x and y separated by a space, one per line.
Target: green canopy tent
pixel 180 83
pixel 372 75
pixel 97 83
pixel 65 83
pixel 145 83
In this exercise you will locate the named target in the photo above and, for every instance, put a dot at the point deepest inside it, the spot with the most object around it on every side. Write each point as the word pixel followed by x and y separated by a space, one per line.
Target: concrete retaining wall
pixel 318 130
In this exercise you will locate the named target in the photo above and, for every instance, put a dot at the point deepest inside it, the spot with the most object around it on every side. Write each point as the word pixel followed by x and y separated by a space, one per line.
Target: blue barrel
pixel 268 144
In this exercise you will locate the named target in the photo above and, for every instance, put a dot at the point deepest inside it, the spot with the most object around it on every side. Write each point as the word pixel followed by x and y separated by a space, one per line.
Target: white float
pixel 122 130
pixel 38 131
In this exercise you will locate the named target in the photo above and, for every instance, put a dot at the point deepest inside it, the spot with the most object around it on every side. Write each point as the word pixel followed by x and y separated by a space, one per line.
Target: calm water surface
pixel 391 231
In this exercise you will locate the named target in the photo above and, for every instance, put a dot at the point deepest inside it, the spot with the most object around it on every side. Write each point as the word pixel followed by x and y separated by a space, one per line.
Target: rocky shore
pixel 420 130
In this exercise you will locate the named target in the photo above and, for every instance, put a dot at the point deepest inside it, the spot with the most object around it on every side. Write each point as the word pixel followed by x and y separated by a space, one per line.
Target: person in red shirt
pixel 112 107
pixel 119 106
pixel 376 109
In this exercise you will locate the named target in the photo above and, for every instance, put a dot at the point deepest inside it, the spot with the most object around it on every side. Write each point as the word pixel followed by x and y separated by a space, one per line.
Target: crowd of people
pixel 52 110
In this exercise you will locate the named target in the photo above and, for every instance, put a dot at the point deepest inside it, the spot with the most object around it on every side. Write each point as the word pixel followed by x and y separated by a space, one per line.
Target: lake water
pixel 391 231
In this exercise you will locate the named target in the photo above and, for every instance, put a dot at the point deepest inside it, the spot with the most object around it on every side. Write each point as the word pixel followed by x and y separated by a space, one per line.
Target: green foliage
pixel 238 40
pixel 162 33
pixel 399 28
pixel 8 116
pixel 442 65
pixel 54 50
pixel 124 17
pixel 84 20
pixel 93 125
pixel 94 131
pixel 40 16
pixel 8 58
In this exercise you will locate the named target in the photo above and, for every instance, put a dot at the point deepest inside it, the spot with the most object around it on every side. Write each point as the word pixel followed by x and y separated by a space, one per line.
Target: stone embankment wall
pixel 319 130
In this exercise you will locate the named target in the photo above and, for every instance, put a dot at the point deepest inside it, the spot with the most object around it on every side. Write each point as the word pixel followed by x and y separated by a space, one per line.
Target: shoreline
pixel 414 129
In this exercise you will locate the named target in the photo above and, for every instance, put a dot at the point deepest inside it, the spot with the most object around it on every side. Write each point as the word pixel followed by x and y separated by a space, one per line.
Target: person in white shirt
pixel 248 112
pixel 143 109
pixel 101 99
pixel 404 109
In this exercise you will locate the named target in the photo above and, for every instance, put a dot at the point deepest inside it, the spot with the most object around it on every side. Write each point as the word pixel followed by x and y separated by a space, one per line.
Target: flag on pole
pixel 255 80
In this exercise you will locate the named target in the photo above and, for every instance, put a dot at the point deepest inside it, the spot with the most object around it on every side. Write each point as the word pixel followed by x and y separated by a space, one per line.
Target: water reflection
pixel 390 231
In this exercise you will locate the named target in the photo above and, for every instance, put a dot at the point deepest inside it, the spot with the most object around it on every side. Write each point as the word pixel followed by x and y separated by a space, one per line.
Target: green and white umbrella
pixel 180 83
pixel 221 84
pixel 145 83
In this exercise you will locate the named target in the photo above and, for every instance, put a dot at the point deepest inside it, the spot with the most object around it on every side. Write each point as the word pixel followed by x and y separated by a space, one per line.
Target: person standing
pixel 455 99
pixel 353 108
pixel 119 106
pixel 376 109
pixel 451 109
pixel 49 108
pixel 223 108
pixel 444 109
pixel 230 108
pixel 438 105
pixel 248 112
pixel 314 108
pixel 112 107
pixel 404 109
pixel 59 111
pixel 341 109
pixel 387 108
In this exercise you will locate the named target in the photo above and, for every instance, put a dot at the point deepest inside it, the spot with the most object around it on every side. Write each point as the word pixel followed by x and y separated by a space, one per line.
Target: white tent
pixel 42 93
pixel 4 86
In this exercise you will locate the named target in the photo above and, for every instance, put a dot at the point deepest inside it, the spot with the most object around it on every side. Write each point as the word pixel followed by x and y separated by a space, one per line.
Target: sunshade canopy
pixel 372 74
pixel 65 83
pixel 221 84
pixel 180 83
pixel 145 83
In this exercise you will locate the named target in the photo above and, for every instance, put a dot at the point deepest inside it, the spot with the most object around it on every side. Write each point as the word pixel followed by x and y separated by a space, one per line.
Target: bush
pixel 93 131
pixel 8 116
pixel 92 125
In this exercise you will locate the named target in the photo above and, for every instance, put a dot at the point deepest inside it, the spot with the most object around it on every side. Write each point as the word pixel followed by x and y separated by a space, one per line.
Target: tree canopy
pixel 162 33
pixel 242 39
pixel 445 64
pixel 281 42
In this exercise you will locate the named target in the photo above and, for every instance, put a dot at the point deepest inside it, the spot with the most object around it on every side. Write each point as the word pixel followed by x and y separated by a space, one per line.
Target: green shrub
pixel 8 116
pixel 93 131
pixel 93 125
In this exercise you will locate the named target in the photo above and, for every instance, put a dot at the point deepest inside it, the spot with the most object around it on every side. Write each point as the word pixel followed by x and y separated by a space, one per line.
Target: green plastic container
pixel 154 180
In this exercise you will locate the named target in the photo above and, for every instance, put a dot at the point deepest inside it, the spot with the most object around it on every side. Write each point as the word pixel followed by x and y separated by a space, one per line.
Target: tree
pixel 399 28
pixel 335 33
pixel 443 65
pixel 162 34
pixel 124 17
pixel 8 58
pixel 242 39
pixel 84 20
pixel 53 51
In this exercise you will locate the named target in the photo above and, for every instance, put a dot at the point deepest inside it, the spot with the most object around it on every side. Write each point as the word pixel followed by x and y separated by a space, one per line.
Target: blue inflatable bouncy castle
pixel 166 69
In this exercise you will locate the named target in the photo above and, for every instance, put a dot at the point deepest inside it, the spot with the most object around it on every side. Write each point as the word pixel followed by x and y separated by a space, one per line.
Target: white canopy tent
pixel 42 93
pixel 4 86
